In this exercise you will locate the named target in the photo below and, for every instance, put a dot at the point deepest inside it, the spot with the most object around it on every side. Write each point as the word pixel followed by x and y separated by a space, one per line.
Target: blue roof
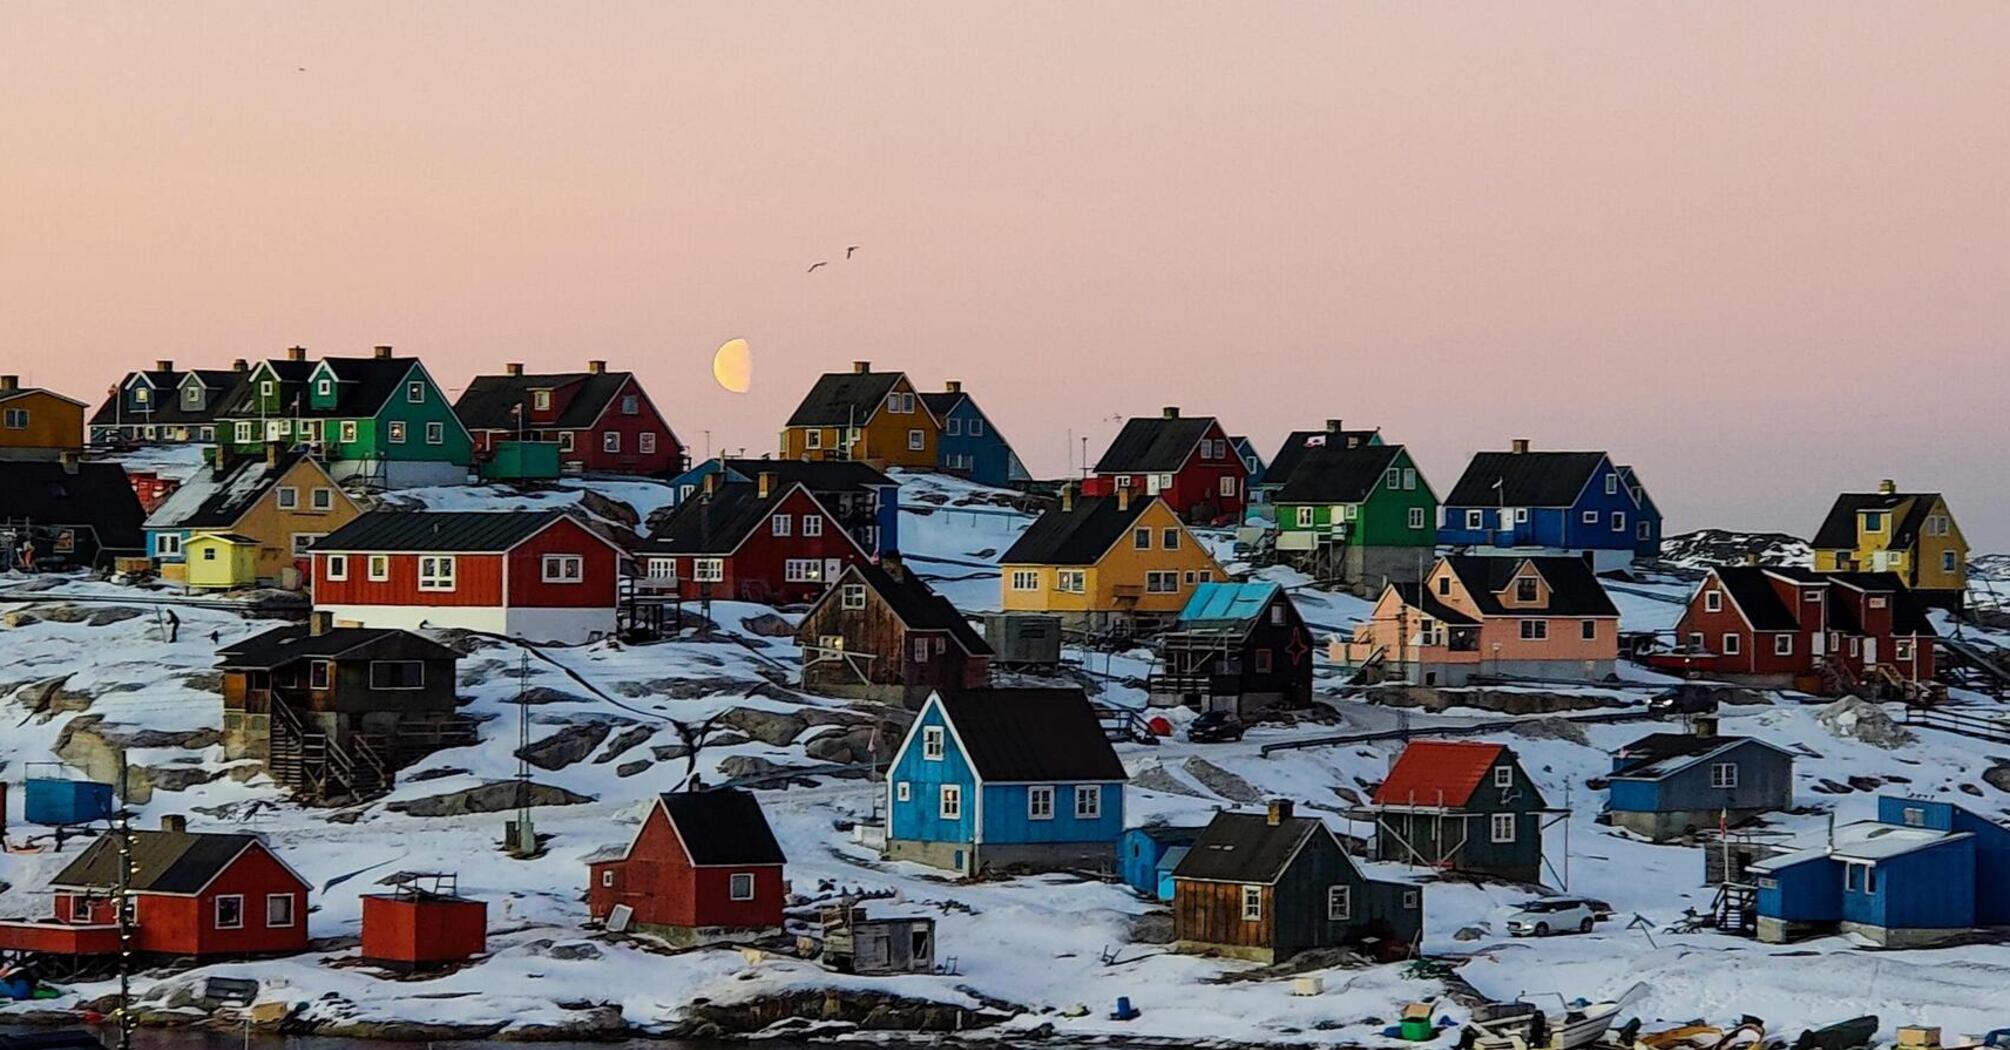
pixel 1228 601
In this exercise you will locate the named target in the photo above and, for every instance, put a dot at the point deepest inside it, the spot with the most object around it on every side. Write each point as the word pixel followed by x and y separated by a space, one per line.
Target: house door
pixel 1870 652
pixel 833 568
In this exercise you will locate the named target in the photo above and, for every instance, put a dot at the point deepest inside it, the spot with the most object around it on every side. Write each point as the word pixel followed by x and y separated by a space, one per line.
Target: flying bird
pixel 814 265
pixel 849 250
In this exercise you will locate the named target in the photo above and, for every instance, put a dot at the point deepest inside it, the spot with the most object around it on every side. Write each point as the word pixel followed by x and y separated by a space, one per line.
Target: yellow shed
pixel 225 560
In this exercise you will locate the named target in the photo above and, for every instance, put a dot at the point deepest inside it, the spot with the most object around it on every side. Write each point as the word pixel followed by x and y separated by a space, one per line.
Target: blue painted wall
pixel 1928 889
pixel 919 819
pixel 1992 850
pixel 1006 820
pixel 967 433
pixel 1810 891
pixel 1562 527
pixel 153 543
pixel 1765 781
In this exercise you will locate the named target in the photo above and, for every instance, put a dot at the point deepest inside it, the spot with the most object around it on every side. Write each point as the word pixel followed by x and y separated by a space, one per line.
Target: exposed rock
pixel 1857 719
pixel 875 1011
pixel 19 618
pixel 566 746
pixel 768 727
pixel 1504 701
pixel 853 746
pixel 204 681
pixel 699 688
pixel 49 697
pixel 629 769
pixel 435 773
pixel 1829 787
pixel 1972 789
pixel 825 716
pixel 623 742
pixel 544 694
pixel 1220 781
pixel 1157 778
pixel 602 1021
pixel 671 752
pixel 489 798
pixel 174 778
pixel 736 767
pixel 768 625
pixel 1351 796
pixel 106 615
pixel 1552 729
pixel 1469 933
pixel 98 750
pixel 611 509
pixel 1997 776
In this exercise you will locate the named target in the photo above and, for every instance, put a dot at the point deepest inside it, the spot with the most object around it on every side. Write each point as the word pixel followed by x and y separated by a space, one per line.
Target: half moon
pixel 733 366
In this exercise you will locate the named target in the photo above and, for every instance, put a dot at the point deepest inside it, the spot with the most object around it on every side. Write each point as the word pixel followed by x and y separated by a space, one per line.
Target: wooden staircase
pixel 1736 909
pixel 318 767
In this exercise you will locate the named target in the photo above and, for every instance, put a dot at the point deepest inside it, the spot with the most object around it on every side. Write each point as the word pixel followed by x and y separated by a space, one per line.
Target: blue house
pixel 1667 785
pixel 1577 503
pixel 970 445
pixel 1148 855
pixel 1005 780
pixel 864 500
pixel 1252 462
pixel 1922 872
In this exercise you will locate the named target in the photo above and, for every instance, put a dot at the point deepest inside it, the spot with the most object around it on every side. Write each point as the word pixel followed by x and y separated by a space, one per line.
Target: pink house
pixel 1490 617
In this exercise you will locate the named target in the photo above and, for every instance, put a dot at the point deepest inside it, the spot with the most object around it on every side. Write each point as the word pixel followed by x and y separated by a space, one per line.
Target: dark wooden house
pixel 883 634
pixel 703 867
pixel 1266 886
pixel 1459 805
pixel 1236 647
pixel 66 514
pixel 334 711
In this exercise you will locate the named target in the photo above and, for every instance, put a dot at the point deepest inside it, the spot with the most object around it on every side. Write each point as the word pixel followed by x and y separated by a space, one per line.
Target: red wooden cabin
pixel 703 866
pixel 541 576
pixel 1820 632
pixel 1187 461
pixel 423 922
pixel 602 421
pixel 760 541
pixel 196 894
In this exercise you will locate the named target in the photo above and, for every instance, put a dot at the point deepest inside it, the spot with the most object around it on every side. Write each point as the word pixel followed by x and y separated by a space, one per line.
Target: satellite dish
pixel 733 366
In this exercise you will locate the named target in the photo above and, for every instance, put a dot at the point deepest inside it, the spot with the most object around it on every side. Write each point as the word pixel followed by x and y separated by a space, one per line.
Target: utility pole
pixel 524 842
pixel 125 911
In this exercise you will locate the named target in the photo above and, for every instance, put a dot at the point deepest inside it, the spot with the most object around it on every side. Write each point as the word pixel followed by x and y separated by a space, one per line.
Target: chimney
pixel 711 482
pixel 766 479
pixel 954 386
pixel 1068 495
pixel 1123 499
pixel 174 822
pixel 1171 411
pixel 861 367
pixel 1280 811
pixel 70 460
pixel 240 365
pixel 1520 446
pixel 1334 426
pixel 890 562
pixel 1887 487
pixel 596 367
pixel 296 353
pixel 1751 558
pixel 10 382
pixel 383 353
pixel 320 622
pixel 1703 726
pixel 514 368
pixel 163 366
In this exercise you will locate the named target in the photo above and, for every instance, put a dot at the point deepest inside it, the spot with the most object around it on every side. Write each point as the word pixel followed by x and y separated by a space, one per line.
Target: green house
pixel 1359 517
pixel 380 418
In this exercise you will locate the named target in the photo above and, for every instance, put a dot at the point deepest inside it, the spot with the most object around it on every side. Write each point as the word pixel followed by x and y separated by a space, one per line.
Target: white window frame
pixel 1040 802
pixel 920 649
pixel 607 878
pixel 1162 581
pixel 852 596
pixel 436 433
pixel 1088 802
pixel 292 911
pixel 662 569
pixel 338 566
pixel 813 438
pixel 781 525
pixel 321 499
pixel 949 802
pixel 566 442
pixel 934 744
pixel 1416 517
pixel 415 392
pixel 1589 517
pixel 1476 519
pixel 1071 581
pixel 378 567
pixel 1731 644
pixel 243 430
pixel 1713 600
pixel 739 879
pixel 216 911
pixel 395 432
pixel 348 432
pixel 803 570
pixel 320 673
pixel 302 542
pixel 1503 776
pixel 917 439
pixel 563 568
pixel 1612 484
pixel 1339 903
pixel 1305 517
pixel 438 572
pixel 1169 538
pixel 287 497
pixel 645 442
pixel 1252 903
pixel 708 570
pixel 1783 644
pixel 1619 521
pixel 1535 630
pixel 1503 827
pixel 1230 484
pixel 903 792
pixel 1723 775
pixel 167 545
pixel 1025 579
pixel 610 441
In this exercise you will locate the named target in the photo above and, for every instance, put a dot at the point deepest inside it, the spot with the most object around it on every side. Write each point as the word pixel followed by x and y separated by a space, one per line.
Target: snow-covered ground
pixel 1038 943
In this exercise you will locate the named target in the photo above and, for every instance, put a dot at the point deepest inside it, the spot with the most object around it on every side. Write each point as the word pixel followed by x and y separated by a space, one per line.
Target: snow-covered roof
pixel 1866 841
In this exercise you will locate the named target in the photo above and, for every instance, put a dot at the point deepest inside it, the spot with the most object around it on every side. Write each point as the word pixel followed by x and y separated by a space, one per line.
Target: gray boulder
pixel 566 746
pixel 1857 719
pixel 623 742
pixel 1221 781
pixel 489 798
pixel 768 727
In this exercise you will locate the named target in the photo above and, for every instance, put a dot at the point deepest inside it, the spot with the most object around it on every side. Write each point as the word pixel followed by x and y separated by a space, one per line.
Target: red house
pixel 423 922
pixel 541 576
pixel 1819 632
pixel 760 541
pixel 704 866
pixel 602 421
pixel 197 894
pixel 1187 461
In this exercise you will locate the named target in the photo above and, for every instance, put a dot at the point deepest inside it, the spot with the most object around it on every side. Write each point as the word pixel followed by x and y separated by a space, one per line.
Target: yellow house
pixel 1106 560
pixel 1911 534
pixel 37 423
pixel 279 503
pixel 863 415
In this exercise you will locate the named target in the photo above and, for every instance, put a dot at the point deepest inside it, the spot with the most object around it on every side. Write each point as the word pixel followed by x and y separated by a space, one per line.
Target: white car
pixel 1540 918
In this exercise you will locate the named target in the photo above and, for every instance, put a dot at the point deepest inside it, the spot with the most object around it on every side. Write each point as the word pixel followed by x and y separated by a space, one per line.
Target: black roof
pixel 1751 590
pixel 1574 589
pixel 1299 442
pixel 833 476
pixel 1246 847
pixel 97 495
pixel 1908 613
pixel 916 603
pixel 213 500
pixel 169 411
pixel 1526 479
pixel 723 826
pixel 486 403
pixel 1839 528
pixel 1338 475
pixel 1417 596
pixel 1170 834
pixel 1634 758
pixel 1153 444
pixel 1026 735
pixel 1754 596
pixel 438 530
pixel 163 861
pixel 284 645
pixel 943 402
pixel 1079 535
pixel 842 399
pixel 716 523
pixel 363 385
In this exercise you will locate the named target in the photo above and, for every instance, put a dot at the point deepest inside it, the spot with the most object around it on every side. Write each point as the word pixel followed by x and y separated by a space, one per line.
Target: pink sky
pixel 1762 251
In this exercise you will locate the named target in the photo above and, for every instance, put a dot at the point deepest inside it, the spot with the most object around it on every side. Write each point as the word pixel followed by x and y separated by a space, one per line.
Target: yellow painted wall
pixel 210 561
pixel 53 423
pixel 882 436
pixel 274 528
pixel 1123 566
pixel 1919 566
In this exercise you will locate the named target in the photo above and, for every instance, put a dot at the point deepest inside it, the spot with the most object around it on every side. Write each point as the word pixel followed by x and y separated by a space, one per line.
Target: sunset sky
pixel 1761 251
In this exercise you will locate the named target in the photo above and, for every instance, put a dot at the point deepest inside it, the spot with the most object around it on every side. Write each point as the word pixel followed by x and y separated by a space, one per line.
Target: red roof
pixel 1437 773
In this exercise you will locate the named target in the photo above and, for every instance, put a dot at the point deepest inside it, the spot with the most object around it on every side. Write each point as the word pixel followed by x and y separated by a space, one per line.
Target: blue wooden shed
pixel 1002 780
pixel 1146 857
pixel 61 802
pixel 1522 501
pixel 1666 785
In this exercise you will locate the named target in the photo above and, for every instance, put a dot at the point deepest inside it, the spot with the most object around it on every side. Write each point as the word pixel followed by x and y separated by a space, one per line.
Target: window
pixel 1849 878
pixel 436 433
pixel 1611 484
pixel 1619 521
pixel 264 389
pixel 1502 827
pixel 415 392
pixel 1643 531
pixel 1304 517
pixel 565 441
pixel 1141 539
pixel 1901 649
pixel 1410 900
pixel 1169 539
pixel 318 672
pixel 780 525
pixel 1088 802
pixel 1724 774
pixel 1124 481
pixel 1409 479
pixel 564 568
pixel 209 554
pixel 1166 582
pixel 436 572
pixel 921 650
pixel 289 498
pixel 1588 630
pixel 1040 802
pixel 813 438
pixel 1590 517
pixel 917 440
pixel 1914 817
pixel 1873 521
pixel 903 791
pixel 380 567
pixel 278 910
pixel 167 544
pixel 1526 589
pixel 950 802
pixel 348 430
pixel 803 570
pixel 1264 661
pixel 1713 601
pixel 321 499
pixel 243 432
pixel 630 405
pixel 1229 485
pixel 708 570
pixel 740 886
pixel 1731 644
pixel 1503 776
pixel 931 743
pixel 1534 630
pixel 230 912
pixel 1475 519
pixel 1339 903
pixel 540 400
pixel 17 419
pixel 1416 517
pixel 397 432
pixel 976 427
pixel 1783 645
pixel 813 525
pixel 1252 904
pixel 1071 581
pixel 1207 575
pixel 304 542
pixel 852 596
pixel 1948 561
pixel 610 441
pixel 1696 641
pixel 646 442
pixel 607 878
pixel 1025 580
pixel 338 566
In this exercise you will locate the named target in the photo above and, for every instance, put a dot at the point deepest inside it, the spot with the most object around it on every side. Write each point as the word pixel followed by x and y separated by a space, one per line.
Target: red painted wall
pixel 1196 483
pixel 759 571
pixel 659 883
pixel 477 578
pixel 596 590
pixel 588 450
pixel 423 931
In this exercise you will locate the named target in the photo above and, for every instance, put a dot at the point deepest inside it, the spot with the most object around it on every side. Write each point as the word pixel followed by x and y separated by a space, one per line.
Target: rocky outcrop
pixel 1504 701
pixel 488 798
pixel 624 742
pixel 563 748
pixel 609 509
pixel 672 752
pixel 872 1011
pixel 629 769
pixel 1158 778
pixel 768 625
pixel 1552 729
pixel 51 696
pixel 853 745
pixel 769 727
pixel 1853 718
pixel 1220 781
pixel 98 750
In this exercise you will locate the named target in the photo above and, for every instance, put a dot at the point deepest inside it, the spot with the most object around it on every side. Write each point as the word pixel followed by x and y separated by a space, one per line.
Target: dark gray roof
pixel 1751 591
pixel 916 603
pixel 941 403
pixel 1170 834
pixel 97 495
pixel 1838 530
pixel 1658 755
pixel 844 399
pixel 1338 475
pixel 1417 596
pixel 163 861
pixel 820 476
pixel 284 645
pixel 168 409
pixel 723 826
pixel 716 523
pixel 1246 847
pixel 1153 444
pixel 1032 735
pixel 473 532
pixel 1300 442
pixel 213 500
pixel 1076 536
pixel 486 403
pixel 363 385
pixel 1574 589
pixel 1527 479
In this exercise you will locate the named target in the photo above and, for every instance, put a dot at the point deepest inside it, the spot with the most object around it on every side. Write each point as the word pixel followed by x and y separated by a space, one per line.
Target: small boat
pixel 1687 1037
pixel 1580 1025
pixel 1749 1035
pixel 1853 1034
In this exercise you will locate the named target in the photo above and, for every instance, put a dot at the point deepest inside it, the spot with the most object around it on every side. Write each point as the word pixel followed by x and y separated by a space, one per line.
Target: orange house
pixel 864 415
pixel 1490 617
pixel 37 423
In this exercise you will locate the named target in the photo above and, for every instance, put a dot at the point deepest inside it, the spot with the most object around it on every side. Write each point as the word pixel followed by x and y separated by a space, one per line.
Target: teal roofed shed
pixel 1227 602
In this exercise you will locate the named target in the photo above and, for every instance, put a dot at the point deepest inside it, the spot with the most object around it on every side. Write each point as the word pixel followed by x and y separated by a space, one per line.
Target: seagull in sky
pixel 814 265
pixel 849 250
